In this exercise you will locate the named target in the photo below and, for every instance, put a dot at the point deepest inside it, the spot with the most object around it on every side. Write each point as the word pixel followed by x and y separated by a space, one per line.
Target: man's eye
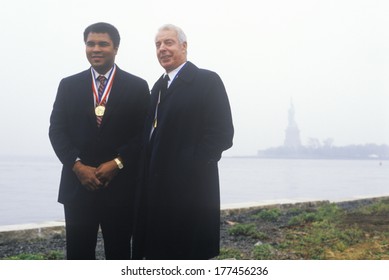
pixel 169 42
pixel 100 44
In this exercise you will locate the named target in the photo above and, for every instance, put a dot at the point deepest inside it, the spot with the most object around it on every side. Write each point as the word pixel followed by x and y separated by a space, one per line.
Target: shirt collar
pixel 106 75
pixel 172 74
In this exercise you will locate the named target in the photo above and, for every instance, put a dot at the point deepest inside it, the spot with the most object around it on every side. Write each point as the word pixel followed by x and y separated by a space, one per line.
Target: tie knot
pixel 166 79
pixel 101 79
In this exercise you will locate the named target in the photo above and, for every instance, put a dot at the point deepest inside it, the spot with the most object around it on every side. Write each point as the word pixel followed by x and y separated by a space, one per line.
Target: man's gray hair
pixel 180 34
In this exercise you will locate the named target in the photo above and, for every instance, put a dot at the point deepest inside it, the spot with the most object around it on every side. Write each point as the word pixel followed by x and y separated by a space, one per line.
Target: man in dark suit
pixel 187 129
pixel 95 130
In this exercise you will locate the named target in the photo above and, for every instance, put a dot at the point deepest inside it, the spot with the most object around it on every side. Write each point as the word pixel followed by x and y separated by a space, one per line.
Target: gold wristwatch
pixel 119 163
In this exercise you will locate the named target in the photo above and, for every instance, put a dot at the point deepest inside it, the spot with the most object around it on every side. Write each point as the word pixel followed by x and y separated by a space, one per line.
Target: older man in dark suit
pixel 188 128
pixel 95 129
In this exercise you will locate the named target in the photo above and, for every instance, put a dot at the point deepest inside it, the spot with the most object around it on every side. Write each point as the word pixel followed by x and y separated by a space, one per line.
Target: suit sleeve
pixel 218 127
pixel 59 138
pixel 131 150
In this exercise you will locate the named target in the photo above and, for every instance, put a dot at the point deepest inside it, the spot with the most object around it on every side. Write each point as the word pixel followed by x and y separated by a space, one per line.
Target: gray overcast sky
pixel 330 56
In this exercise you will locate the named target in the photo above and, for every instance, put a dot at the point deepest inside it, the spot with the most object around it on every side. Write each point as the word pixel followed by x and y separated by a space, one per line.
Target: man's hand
pixel 107 171
pixel 87 176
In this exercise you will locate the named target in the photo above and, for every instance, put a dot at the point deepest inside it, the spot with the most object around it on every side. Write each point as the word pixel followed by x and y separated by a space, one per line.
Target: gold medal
pixel 99 111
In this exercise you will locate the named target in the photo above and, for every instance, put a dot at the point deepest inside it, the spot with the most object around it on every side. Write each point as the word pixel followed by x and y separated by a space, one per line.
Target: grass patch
pixel 271 215
pixel 52 255
pixel 246 230
pixel 330 212
pixel 229 253
pixel 381 207
pixel 263 252
pixel 321 231
pixel 320 237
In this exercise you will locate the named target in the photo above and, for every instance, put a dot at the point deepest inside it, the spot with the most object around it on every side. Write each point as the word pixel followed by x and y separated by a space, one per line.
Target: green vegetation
pixel 246 230
pixel 316 239
pixel 229 253
pixel 381 207
pixel 263 252
pixel 52 255
pixel 324 232
pixel 269 214
pixel 329 212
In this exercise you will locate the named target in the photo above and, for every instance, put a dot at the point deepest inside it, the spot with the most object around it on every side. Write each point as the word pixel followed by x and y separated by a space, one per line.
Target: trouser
pixel 82 225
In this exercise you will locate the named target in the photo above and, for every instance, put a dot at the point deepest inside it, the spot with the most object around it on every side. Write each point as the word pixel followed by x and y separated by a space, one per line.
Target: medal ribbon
pixel 107 88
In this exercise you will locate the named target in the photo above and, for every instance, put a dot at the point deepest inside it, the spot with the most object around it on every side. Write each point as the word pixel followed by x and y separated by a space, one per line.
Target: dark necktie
pixel 164 86
pixel 102 86
pixel 100 92
pixel 162 94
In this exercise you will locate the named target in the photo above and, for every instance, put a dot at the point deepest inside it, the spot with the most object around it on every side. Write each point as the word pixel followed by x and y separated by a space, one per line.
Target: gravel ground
pixel 56 242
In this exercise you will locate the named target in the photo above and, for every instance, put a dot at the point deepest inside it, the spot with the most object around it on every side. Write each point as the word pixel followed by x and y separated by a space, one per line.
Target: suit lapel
pixel 88 97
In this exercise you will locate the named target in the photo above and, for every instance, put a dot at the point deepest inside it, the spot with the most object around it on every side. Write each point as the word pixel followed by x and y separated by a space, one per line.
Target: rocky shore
pixel 51 243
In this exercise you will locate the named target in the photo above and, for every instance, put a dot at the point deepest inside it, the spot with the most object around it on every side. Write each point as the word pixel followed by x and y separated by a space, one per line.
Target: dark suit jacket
pixel 180 204
pixel 74 133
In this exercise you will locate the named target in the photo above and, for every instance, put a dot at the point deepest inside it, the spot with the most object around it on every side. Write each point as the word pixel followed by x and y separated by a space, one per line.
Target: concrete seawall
pixel 47 229
pixel 31 231
pixel 57 228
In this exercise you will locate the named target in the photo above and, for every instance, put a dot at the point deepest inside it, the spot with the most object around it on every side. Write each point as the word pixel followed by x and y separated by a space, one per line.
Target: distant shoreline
pixel 53 159
pixel 313 158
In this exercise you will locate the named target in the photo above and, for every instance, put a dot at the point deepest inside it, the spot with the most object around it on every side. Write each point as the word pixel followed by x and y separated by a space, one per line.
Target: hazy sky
pixel 330 56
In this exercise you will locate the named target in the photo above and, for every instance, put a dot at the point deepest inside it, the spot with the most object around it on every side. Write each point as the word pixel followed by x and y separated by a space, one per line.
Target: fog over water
pixel 32 197
pixel 330 57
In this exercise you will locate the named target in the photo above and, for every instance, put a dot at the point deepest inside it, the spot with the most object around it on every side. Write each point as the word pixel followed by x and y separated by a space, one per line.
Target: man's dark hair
pixel 103 27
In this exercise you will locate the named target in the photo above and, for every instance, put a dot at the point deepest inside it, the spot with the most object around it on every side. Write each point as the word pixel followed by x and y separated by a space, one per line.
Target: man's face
pixel 100 51
pixel 170 52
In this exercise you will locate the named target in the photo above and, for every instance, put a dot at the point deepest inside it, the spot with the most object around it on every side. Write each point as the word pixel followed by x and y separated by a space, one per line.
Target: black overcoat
pixel 179 204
